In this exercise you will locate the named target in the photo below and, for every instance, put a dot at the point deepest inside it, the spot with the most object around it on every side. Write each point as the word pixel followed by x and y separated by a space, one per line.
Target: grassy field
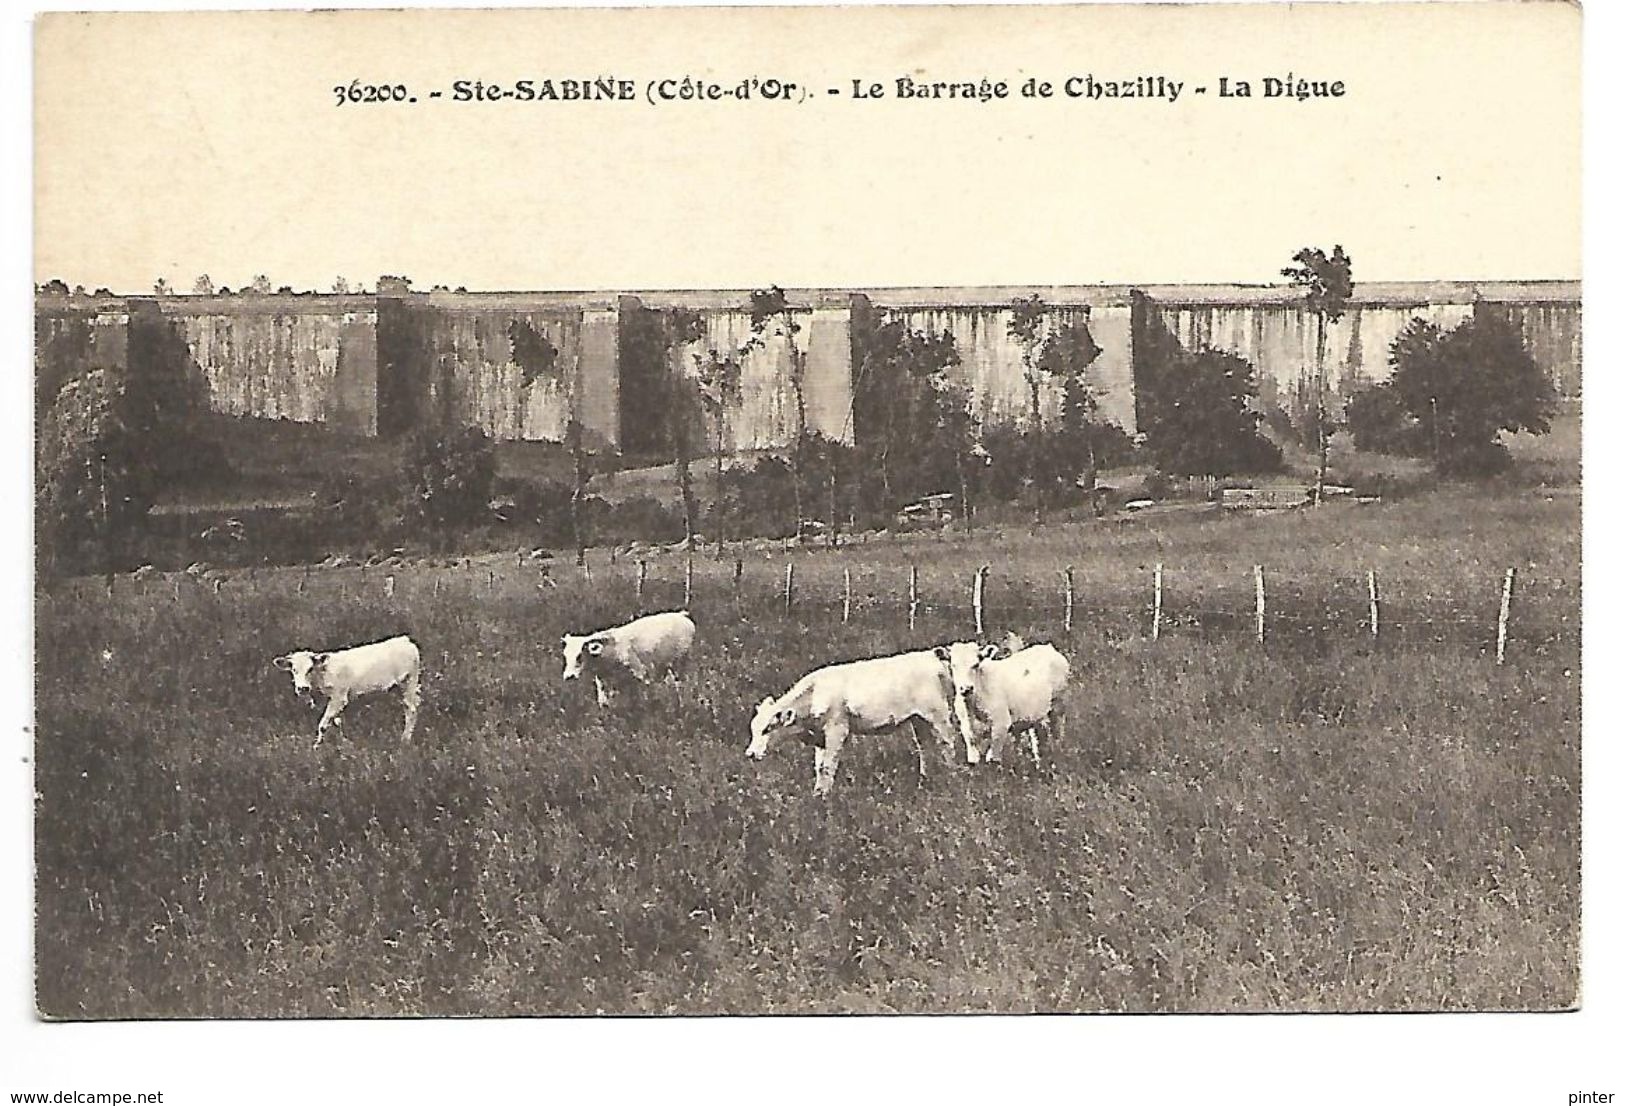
pixel 1320 823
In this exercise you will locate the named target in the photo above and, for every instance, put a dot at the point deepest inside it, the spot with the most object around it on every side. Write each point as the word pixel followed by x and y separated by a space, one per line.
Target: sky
pixel 176 144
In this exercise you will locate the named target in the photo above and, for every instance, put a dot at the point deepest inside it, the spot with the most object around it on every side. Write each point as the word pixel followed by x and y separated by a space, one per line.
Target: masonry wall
pixel 380 364
pixel 71 337
pixel 991 364
pixel 304 359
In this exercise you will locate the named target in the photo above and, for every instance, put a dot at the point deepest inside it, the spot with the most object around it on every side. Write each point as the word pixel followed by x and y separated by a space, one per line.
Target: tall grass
pixel 1225 827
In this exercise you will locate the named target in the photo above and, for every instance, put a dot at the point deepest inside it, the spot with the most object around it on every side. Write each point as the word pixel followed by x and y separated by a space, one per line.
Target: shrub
pixel 1466 385
pixel 449 476
pixel 94 481
pixel 1379 422
pixel 1197 414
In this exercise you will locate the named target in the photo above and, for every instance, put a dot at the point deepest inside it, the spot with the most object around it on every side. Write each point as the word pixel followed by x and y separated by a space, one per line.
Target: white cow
pixel 642 649
pixel 357 671
pixel 1018 691
pixel 829 704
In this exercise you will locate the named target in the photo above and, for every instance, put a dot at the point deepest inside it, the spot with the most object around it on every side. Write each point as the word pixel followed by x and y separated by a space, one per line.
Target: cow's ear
pixel 595 648
pixel 765 703
pixel 989 652
pixel 283 662
pixel 317 660
pixel 942 653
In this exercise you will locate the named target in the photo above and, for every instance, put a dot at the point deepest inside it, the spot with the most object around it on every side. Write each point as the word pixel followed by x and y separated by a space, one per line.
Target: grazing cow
pixel 1020 691
pixel 357 671
pixel 829 704
pixel 641 649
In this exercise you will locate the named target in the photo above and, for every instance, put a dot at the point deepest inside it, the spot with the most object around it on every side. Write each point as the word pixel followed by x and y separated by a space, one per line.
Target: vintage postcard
pixel 859 510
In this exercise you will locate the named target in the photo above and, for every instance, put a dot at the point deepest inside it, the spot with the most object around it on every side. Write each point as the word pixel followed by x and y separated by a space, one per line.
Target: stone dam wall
pixel 379 364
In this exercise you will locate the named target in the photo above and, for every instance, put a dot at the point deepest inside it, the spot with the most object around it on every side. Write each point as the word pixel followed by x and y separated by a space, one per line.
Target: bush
pixel 449 476
pixel 1466 385
pixel 1379 423
pixel 112 438
pixel 94 481
pixel 642 518
pixel 1197 414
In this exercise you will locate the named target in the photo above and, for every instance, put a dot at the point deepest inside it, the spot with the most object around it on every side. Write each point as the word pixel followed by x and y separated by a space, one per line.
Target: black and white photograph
pixel 679 513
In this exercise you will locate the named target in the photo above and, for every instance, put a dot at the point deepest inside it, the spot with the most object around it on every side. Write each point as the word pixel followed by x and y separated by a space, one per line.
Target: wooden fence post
pixel 976 587
pixel 1371 593
pixel 643 572
pixel 1068 620
pixel 789 586
pixel 739 576
pixel 846 596
pixel 688 581
pixel 913 594
pixel 1156 602
pixel 1258 601
pixel 1501 624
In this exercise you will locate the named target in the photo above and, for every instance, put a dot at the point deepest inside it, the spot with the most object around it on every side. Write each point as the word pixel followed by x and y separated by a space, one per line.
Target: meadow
pixel 1325 821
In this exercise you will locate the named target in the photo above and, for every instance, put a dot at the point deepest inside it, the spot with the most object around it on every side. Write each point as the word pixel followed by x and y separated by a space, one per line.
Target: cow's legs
pixel 827 765
pixel 603 696
pixel 919 751
pixel 335 707
pixel 967 730
pixel 1055 728
pixel 1032 740
pixel 999 724
pixel 411 697
pixel 942 724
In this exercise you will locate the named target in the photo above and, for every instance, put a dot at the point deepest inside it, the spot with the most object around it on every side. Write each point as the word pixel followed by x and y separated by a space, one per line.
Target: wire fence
pixel 1490 611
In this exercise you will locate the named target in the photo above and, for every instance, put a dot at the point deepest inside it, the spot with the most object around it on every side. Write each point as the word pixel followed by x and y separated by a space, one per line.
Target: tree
pixel 93 481
pixel 160 287
pixel 1466 385
pixel 203 286
pixel 1029 322
pixel 1328 283
pixel 260 285
pixel 771 314
pixel 538 359
pixel 449 474
pixel 1379 422
pixel 1196 409
pixel 717 376
pixel 1066 356
pixel 912 426
pixel 680 327
pixel 54 287
pixel 341 287
pixel 113 437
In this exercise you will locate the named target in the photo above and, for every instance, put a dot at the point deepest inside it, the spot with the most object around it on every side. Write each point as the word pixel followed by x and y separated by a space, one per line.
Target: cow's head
pixel 579 649
pixel 305 667
pixel 768 722
pixel 963 658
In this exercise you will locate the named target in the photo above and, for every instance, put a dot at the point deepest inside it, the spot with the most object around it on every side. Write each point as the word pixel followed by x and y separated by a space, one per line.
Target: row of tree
pixel 260 285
